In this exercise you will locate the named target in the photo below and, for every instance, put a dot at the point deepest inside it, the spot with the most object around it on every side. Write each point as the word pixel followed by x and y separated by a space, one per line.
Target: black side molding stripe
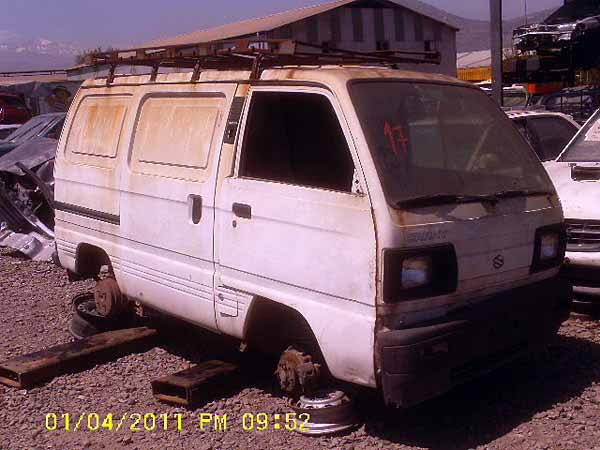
pixel 89 213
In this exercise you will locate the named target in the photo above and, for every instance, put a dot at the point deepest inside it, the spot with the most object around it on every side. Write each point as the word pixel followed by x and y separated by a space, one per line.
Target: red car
pixel 12 109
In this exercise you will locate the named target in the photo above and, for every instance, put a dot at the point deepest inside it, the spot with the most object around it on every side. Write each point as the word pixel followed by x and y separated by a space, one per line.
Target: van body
pixel 576 175
pixel 398 216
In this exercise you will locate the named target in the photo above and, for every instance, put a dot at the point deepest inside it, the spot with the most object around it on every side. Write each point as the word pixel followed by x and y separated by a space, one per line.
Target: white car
pixel 576 176
pixel 547 132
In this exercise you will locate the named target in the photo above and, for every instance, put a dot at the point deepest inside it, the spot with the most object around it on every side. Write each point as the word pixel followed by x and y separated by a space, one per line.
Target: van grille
pixel 583 235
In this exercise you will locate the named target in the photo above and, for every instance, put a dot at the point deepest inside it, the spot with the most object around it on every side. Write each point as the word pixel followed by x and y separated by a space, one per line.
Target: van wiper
pixel 521 193
pixel 441 199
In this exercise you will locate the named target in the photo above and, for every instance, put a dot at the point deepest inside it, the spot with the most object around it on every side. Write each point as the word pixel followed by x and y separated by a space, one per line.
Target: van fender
pixel 339 336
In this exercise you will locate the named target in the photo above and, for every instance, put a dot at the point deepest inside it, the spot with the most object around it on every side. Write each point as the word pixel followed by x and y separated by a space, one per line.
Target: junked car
pixel 576 175
pixel 390 229
pixel 514 96
pixel 579 102
pixel 6 130
pixel 26 199
pixel 547 132
pixel 12 109
pixel 573 27
pixel 44 125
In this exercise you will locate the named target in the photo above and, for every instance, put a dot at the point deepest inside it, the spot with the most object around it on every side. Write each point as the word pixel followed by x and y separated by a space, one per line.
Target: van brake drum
pixel 109 300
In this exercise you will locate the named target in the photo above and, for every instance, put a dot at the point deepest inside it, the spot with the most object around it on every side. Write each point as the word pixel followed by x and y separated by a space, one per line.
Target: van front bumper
pixel 423 362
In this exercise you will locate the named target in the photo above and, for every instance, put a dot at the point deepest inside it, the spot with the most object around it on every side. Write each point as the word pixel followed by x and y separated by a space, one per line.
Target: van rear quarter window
pixel 96 130
pixel 174 135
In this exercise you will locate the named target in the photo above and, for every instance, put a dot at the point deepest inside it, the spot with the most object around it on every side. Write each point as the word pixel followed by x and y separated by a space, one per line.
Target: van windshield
pixel 586 145
pixel 432 140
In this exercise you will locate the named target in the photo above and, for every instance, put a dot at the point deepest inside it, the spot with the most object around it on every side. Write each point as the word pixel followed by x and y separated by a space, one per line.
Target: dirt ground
pixel 548 402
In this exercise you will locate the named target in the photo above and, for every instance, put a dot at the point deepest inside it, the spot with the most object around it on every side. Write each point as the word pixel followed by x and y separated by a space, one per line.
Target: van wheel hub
pixel 109 300
pixel 297 373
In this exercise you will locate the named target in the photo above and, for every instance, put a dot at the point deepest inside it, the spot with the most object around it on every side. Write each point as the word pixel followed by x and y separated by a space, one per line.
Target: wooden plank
pixel 28 370
pixel 191 386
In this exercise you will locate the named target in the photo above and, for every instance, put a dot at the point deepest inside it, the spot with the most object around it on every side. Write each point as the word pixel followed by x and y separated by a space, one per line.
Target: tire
pixel 86 321
pixel 81 328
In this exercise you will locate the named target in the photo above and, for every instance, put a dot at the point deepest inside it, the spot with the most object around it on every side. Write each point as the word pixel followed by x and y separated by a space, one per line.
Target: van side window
pixel 174 135
pixel 296 138
pixel 97 128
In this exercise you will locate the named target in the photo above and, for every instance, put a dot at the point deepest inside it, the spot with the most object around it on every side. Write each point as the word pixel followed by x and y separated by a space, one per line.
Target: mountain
pixel 474 35
pixel 19 54
pixel 479 9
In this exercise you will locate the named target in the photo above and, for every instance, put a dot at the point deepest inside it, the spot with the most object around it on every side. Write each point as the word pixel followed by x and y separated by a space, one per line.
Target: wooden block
pixel 191 386
pixel 26 371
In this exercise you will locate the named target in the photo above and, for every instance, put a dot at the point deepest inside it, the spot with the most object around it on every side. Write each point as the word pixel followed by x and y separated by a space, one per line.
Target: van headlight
pixel 549 247
pixel 411 274
pixel 416 272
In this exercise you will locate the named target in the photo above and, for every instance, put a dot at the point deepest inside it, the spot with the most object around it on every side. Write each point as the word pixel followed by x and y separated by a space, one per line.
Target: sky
pixel 123 23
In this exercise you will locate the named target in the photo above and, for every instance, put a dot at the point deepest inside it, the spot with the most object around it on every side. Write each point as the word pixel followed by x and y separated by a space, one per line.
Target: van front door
pixel 294 224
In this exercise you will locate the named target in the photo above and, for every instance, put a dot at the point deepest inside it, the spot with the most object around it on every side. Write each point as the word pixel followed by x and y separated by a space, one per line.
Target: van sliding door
pixel 167 200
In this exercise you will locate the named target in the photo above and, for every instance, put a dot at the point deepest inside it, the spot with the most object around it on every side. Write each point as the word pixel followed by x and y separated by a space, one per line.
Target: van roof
pixel 328 75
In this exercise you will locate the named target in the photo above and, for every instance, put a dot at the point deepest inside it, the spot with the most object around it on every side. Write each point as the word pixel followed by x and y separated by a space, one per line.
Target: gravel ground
pixel 548 402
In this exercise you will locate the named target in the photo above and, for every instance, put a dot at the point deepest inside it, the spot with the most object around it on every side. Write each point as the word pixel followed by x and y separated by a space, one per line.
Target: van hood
pixel 580 198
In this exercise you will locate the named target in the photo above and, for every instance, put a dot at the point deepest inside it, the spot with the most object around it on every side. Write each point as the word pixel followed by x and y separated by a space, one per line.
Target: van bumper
pixel 426 361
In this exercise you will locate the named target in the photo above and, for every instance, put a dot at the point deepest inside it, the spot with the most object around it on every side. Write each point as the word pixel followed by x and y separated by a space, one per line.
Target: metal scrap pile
pixel 573 29
pixel 27 197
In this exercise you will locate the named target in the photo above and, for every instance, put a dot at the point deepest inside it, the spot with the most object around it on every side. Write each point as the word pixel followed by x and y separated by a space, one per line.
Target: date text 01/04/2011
pixel 152 423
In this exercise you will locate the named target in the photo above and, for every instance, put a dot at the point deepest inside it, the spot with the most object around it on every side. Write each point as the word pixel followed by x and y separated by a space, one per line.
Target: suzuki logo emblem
pixel 498 262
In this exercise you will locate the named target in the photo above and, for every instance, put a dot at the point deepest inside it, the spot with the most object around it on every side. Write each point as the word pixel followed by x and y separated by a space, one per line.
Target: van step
pixel 203 382
pixel 26 371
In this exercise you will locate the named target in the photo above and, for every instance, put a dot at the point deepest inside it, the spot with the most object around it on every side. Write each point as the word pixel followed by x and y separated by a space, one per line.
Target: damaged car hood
pixel 32 154
pixel 580 198
pixel 27 198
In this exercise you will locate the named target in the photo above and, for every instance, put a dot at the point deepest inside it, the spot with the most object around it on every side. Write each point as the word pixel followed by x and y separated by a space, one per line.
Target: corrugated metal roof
pixel 481 58
pixel 472 60
pixel 268 23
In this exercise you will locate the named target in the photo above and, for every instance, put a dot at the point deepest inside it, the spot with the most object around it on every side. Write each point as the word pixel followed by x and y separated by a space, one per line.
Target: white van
pixel 576 175
pixel 391 226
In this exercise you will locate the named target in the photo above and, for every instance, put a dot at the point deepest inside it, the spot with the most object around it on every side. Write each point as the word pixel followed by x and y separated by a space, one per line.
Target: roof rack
pixel 32 73
pixel 255 55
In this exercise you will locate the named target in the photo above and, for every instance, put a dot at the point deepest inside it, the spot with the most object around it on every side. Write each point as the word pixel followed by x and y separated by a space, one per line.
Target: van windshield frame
pixel 433 138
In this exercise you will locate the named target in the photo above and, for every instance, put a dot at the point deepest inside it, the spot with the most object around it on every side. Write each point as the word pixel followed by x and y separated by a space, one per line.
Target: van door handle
pixel 242 210
pixel 196 208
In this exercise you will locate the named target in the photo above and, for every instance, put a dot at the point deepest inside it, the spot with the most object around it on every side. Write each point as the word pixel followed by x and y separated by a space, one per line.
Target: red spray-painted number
pixel 396 136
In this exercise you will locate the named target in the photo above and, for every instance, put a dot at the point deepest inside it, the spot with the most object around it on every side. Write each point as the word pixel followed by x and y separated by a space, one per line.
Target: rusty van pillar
pixel 496 42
